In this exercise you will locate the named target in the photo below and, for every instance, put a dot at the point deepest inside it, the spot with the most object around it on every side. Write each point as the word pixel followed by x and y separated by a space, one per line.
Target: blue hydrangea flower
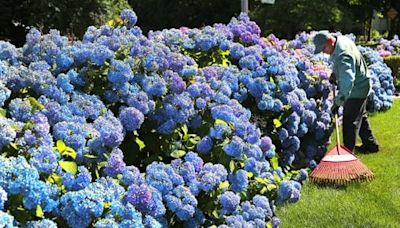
pixel 110 129
pixel 79 208
pixel 6 219
pixel 44 159
pixel 33 36
pixel 150 222
pixel 139 101
pixel 3 198
pixel 235 147
pixel 4 94
pixel 100 54
pixel 43 223
pixel 181 202
pixel 218 131
pixel 229 201
pixel 119 72
pixel 162 177
pixel 146 199
pixel 7 132
pixel 115 163
pixel 205 42
pixel 239 181
pixel 195 160
pixel 205 144
pixel 178 85
pixel 106 223
pixel 167 127
pixel 132 175
pixel 139 196
pixel 82 179
pixel 41 125
pixel 129 16
pixel 131 118
pixel 88 106
pixel 20 109
pixel 154 85
pixel 63 62
pixel 211 176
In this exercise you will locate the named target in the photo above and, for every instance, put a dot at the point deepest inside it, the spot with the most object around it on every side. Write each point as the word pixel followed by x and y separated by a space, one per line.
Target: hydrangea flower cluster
pixel 388 47
pixel 383 89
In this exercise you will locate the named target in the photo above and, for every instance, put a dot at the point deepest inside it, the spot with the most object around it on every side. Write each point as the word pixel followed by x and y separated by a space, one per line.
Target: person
pixel 350 71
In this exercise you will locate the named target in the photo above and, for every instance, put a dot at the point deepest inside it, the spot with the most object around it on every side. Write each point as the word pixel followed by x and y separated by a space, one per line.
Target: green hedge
pixel 394 63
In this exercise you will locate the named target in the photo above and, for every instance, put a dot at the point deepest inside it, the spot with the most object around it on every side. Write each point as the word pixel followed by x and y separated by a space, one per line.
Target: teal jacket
pixel 351 71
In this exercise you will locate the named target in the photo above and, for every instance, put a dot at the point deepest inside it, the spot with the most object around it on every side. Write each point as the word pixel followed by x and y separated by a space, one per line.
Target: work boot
pixel 367 148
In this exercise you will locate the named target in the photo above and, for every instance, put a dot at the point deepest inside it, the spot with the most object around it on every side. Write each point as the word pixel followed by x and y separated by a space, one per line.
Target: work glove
pixel 332 79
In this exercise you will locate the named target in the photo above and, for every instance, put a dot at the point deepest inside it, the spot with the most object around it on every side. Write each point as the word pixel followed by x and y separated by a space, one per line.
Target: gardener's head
pixel 324 42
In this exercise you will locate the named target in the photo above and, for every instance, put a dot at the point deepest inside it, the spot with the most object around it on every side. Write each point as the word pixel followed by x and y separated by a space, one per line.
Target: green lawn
pixel 374 204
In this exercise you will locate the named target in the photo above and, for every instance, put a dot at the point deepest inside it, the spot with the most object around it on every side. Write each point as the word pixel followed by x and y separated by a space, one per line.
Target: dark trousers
pixel 355 122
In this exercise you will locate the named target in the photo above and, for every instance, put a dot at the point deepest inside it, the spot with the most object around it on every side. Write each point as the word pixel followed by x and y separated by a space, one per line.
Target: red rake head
pixel 339 167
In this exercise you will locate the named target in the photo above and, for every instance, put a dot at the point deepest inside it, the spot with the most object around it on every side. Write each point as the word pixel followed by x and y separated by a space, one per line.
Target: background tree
pixel 71 17
pixel 160 14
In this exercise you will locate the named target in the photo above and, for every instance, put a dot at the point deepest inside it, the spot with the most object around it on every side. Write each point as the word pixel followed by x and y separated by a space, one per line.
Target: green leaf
pixel 271 187
pixel 102 164
pixel 226 141
pixel 261 180
pixel 213 226
pixel 184 129
pixel 215 213
pixel 36 105
pixel 140 143
pixel 69 152
pixel 194 140
pixel 90 156
pixel 3 112
pixel 277 123
pixel 54 179
pixel 39 212
pixel 107 205
pixel 243 195
pixel 232 166
pixel 263 190
pixel 219 121
pixel 274 162
pixel 29 125
pixel 60 146
pixel 14 145
pixel 277 178
pixel 223 185
pixel 69 166
pixel 178 153
pixel 250 174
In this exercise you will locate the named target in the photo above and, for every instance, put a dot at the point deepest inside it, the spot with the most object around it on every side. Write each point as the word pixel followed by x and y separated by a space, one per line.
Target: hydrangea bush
pixel 182 127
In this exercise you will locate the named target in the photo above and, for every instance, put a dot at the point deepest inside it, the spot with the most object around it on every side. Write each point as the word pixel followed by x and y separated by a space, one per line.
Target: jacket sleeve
pixel 346 77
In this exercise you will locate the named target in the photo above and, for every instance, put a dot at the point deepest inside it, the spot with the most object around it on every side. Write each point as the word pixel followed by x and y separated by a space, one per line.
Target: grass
pixel 374 204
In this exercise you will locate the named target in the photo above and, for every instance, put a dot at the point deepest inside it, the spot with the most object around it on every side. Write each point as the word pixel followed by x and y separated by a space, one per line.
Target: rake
pixel 340 166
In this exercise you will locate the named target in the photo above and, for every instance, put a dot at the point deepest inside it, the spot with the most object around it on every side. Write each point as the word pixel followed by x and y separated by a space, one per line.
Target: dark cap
pixel 320 40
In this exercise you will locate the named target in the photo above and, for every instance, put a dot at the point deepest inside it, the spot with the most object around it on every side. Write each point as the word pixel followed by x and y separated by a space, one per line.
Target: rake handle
pixel 336 123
